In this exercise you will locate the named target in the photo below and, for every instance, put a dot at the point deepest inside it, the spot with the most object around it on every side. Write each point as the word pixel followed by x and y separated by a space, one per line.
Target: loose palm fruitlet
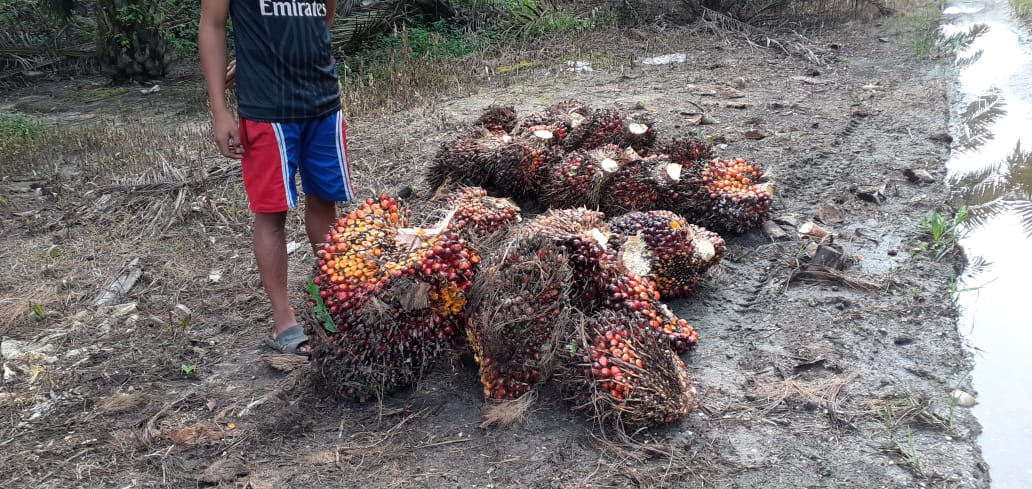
pixel 661 245
pixel 728 196
pixel 519 316
pixel 396 297
pixel 478 215
pixel 625 376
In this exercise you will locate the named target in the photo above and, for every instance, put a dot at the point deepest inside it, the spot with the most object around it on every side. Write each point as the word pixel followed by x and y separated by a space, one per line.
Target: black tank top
pixel 285 68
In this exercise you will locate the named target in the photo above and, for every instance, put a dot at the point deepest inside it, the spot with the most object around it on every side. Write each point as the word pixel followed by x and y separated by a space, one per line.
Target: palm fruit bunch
pixel 394 296
pixel 661 245
pixel 522 167
pixel 519 315
pixel 637 132
pixel 559 223
pixel 626 377
pixel 579 179
pixel 563 116
pixel 687 151
pixel 468 159
pixel 497 119
pixel 728 195
pixel 478 215
pixel 602 127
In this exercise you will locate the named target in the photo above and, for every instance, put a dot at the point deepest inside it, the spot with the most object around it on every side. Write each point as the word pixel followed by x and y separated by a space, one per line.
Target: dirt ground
pixel 804 381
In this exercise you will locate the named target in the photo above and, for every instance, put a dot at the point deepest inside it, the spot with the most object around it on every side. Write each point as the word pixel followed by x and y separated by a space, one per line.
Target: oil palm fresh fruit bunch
pixel 661 245
pixel 468 160
pixel 519 315
pixel 393 297
pixel 566 114
pixel 729 196
pixel 624 376
pixel 580 178
pixel 602 127
pixel 479 215
pixel 522 167
pixel 497 119
pixel 626 291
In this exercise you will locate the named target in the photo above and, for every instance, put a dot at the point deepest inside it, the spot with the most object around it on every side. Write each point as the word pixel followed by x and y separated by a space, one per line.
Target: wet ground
pixel 805 380
pixel 991 162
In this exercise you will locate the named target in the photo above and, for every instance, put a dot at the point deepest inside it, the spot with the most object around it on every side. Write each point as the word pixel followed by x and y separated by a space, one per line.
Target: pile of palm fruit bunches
pixel 571 296
pixel 570 155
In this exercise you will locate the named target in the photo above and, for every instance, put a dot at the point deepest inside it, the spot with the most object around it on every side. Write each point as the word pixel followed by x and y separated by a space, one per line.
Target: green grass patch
pixel 941 234
pixel 1022 8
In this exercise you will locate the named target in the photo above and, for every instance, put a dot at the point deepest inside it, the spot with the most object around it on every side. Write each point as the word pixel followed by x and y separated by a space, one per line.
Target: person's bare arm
pixel 331 12
pixel 211 43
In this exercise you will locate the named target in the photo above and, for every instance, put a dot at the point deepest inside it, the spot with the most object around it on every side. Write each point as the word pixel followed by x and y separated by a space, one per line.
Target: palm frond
pixel 1019 167
pixel 978 119
pixel 984 174
pixel 979 215
pixel 1023 209
pixel 977 265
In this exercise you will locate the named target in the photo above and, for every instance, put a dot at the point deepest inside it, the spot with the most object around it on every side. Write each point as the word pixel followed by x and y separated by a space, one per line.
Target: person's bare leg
pixel 270 250
pixel 320 214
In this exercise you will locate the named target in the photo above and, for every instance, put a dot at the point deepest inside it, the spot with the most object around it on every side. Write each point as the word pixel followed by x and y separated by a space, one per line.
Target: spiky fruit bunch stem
pixel 624 376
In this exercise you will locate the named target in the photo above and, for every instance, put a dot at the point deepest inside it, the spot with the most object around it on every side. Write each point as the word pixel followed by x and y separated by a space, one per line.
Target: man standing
pixel 288 101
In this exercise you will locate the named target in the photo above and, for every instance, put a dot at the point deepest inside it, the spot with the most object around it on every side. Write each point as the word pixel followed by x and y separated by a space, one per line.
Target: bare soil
pixel 804 380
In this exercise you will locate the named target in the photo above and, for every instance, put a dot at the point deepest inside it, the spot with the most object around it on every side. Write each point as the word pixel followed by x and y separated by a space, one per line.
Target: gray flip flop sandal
pixel 289 340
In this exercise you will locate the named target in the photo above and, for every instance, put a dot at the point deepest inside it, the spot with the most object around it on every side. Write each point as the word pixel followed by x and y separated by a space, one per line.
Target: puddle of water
pixel 991 168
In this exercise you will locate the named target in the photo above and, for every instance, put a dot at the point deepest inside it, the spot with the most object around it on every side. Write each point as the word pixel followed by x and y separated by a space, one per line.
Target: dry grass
pixel 507 413
pixel 824 393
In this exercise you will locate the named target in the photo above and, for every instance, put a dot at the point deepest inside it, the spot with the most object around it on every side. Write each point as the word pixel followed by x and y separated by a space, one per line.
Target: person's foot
pixel 291 340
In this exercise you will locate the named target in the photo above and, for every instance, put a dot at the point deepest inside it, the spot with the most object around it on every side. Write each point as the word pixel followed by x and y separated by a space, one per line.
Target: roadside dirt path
pixel 805 380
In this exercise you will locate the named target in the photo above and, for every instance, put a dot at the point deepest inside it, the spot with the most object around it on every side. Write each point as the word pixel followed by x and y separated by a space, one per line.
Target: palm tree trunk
pixel 131 43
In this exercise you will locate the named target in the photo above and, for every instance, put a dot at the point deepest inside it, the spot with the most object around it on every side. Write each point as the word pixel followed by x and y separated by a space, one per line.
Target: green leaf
pixel 321 313
pixel 37 309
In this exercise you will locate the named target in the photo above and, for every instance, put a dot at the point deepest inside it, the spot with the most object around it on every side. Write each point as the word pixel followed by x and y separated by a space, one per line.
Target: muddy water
pixel 991 170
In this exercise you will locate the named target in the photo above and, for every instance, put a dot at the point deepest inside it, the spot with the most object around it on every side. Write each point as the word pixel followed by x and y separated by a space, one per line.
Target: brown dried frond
pixel 506 413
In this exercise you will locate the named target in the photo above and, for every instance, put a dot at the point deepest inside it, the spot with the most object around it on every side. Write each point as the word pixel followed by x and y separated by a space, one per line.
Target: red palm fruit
pixel 624 376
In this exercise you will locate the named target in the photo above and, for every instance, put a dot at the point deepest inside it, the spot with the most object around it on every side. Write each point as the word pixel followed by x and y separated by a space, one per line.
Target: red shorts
pixel 274 153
